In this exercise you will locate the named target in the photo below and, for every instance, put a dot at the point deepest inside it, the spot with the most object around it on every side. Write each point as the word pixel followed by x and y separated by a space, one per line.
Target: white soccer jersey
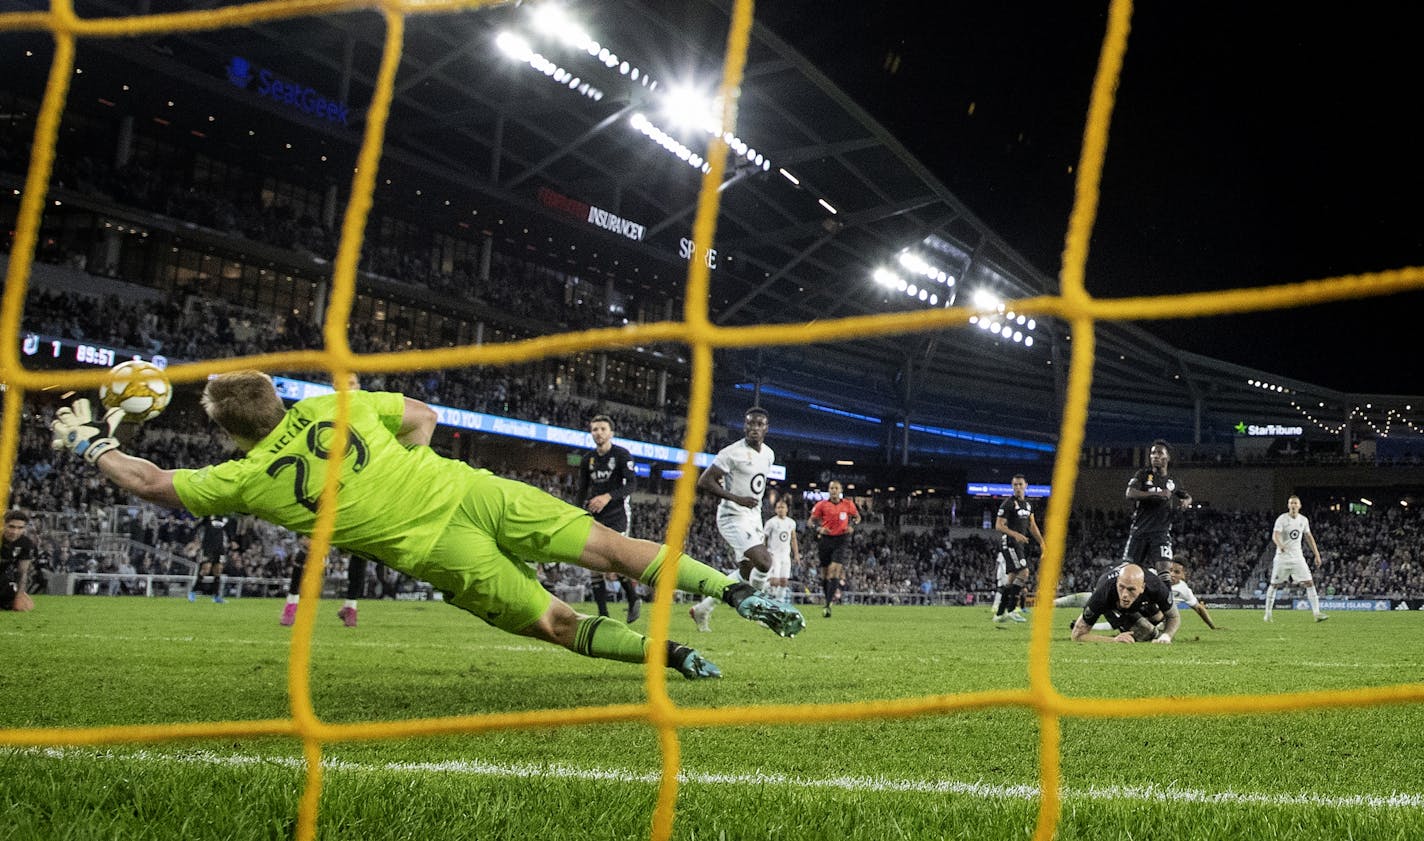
pixel 745 472
pixel 778 532
pixel 1292 531
pixel 1182 593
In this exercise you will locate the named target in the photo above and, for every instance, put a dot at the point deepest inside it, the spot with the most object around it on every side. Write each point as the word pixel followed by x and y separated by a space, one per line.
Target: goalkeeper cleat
pixel 347 615
pixel 783 619
pixel 696 667
pixel 289 614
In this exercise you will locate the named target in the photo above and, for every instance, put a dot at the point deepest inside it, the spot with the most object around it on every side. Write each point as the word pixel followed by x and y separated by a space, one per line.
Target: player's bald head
pixel 1130 584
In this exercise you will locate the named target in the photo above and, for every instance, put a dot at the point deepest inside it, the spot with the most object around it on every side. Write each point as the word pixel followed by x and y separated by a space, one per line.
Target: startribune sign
pixel 1269 429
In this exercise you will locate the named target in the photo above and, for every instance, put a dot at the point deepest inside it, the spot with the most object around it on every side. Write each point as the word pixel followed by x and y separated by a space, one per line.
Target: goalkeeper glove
pixel 76 429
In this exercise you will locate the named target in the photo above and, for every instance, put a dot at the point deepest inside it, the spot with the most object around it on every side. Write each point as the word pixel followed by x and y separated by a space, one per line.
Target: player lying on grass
pixel 1138 606
pixel 466 531
pixel 1175 578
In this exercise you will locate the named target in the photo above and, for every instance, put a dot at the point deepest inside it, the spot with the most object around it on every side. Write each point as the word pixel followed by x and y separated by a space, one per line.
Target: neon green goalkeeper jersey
pixel 393 503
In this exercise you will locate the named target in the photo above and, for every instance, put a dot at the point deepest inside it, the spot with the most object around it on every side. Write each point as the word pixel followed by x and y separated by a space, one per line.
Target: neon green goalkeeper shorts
pixel 481 562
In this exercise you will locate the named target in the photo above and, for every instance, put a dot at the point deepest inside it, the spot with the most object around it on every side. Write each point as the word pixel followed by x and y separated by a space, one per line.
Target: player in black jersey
pixel 1016 522
pixel 605 484
pixel 1134 604
pixel 217 535
pixel 17 552
pixel 1156 496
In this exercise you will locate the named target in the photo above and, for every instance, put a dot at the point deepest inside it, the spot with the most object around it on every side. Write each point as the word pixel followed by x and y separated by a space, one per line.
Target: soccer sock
pixel 998 596
pixel 1008 597
pixel 1314 596
pixel 600 594
pixel 693 576
pixel 355 581
pixel 293 599
pixel 1270 599
pixel 609 639
pixel 708 603
pixel 630 591
pixel 351 603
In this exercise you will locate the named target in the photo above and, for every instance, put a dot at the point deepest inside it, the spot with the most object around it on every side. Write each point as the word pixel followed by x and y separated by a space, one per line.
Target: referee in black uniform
pixel 605 484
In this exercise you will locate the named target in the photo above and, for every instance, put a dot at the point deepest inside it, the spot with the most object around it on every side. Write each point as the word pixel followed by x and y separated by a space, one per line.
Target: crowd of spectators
pixel 1227 553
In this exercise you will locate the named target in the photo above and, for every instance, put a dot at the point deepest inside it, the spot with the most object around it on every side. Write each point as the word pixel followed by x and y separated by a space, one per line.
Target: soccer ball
pixel 141 389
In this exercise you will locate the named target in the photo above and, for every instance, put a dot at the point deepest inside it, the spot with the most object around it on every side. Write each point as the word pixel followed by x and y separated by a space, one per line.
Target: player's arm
pixel 1205 616
pixel 854 514
pixel 140 477
pixel 1172 620
pixel 710 482
pixel 1279 541
pixel 1001 524
pixel 1136 489
pixel 1033 526
pixel 1083 632
pixel 1310 539
pixel 417 424
pixel 795 547
pixel 813 521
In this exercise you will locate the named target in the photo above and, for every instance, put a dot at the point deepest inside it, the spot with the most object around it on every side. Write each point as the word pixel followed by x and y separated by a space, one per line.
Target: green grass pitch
pixel 1349 774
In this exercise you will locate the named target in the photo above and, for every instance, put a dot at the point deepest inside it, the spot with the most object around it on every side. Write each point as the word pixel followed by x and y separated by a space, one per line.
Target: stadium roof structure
pixel 544 129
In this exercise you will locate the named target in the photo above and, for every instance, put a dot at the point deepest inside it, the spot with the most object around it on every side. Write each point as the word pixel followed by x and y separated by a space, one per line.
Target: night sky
pixel 1252 144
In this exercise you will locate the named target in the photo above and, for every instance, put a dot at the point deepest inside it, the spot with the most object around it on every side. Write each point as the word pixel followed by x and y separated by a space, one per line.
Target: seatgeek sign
pixel 242 74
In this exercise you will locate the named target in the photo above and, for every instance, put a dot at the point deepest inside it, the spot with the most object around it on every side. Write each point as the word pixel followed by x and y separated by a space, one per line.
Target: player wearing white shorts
pixel 737 476
pixel 1292 529
pixel 781 540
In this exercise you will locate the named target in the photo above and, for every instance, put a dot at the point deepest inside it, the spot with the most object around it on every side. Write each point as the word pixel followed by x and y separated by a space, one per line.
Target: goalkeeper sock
pixel 609 639
pixel 693 576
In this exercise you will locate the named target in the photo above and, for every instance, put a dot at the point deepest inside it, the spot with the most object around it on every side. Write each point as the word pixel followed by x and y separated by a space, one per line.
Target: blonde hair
pixel 244 403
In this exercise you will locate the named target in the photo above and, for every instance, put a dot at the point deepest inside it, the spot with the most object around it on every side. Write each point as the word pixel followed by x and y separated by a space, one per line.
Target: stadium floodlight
pixel 884 277
pixel 827 206
pixel 986 300
pixel 513 46
pixel 789 177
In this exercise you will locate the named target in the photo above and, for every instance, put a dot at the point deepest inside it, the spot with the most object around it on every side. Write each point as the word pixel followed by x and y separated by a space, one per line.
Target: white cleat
pixel 701 617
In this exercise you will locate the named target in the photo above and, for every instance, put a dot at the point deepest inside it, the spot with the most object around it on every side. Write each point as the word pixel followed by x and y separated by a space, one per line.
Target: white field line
pixel 1161 794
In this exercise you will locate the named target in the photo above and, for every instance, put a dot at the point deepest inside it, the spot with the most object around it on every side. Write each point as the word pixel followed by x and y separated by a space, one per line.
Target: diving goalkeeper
pixel 466 531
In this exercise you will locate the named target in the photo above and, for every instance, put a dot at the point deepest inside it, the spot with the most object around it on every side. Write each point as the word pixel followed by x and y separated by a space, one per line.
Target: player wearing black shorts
pixel 216 536
pixel 1015 521
pixel 1134 604
pixel 605 484
pixel 1156 496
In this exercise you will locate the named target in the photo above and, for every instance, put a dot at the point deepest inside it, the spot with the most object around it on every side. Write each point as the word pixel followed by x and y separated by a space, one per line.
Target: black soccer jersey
pixel 12 554
pixel 1153 516
pixel 1155 600
pixel 608 473
pixel 1016 514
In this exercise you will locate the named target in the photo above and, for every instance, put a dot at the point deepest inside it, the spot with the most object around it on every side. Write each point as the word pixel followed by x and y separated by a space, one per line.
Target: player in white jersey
pixel 1291 530
pixel 1177 577
pixel 781 541
pixel 737 476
